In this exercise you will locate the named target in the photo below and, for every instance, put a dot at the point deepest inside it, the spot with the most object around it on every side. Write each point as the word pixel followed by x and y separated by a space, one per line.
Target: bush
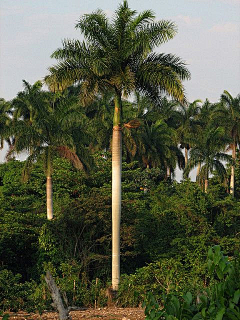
pixel 219 301
pixel 162 277
pixel 14 295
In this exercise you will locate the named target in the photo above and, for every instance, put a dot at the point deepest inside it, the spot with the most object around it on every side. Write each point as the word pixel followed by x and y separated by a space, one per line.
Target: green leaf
pixel 203 312
pixel 171 318
pixel 232 317
pixel 210 253
pixel 211 266
pixel 236 296
pixel 204 299
pixel 222 264
pixel 216 259
pixel 152 314
pixel 188 298
pixel 220 314
pixel 219 274
pixel 217 249
pixel 197 316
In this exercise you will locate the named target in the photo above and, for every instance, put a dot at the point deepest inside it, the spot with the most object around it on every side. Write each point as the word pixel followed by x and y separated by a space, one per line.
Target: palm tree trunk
pixel 168 172
pixel 233 170
pixel 206 185
pixel 186 156
pixel 49 188
pixel 206 178
pixel 198 172
pixel 49 198
pixel 116 192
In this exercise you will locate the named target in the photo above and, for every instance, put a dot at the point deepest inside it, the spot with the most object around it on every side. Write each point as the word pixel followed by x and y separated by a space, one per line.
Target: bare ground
pixel 90 314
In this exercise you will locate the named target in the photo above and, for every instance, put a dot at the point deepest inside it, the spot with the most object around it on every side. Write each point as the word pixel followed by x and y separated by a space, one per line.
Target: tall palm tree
pixel 118 57
pixel 50 133
pixel 229 115
pixel 208 151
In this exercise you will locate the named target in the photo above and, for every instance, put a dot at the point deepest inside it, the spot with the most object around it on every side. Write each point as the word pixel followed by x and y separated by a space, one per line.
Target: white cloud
pixel 188 20
pixel 228 27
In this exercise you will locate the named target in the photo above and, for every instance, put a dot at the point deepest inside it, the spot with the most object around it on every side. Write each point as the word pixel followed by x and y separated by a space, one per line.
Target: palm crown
pixel 118 56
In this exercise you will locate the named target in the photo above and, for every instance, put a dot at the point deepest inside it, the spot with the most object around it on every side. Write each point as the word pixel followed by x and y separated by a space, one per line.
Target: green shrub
pixel 162 277
pixel 220 301
pixel 14 295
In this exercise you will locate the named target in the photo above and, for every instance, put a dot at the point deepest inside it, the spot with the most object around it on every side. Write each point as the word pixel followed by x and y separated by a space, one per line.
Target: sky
pixel 208 39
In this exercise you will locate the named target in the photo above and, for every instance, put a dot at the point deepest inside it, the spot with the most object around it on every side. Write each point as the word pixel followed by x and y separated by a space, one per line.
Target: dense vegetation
pixel 167 227
pixel 165 234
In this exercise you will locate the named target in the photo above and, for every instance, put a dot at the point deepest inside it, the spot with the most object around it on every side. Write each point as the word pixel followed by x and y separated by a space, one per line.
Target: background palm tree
pixel 153 144
pixel 51 132
pixel 188 125
pixel 100 114
pixel 204 119
pixel 5 123
pixel 208 151
pixel 28 101
pixel 228 113
pixel 118 57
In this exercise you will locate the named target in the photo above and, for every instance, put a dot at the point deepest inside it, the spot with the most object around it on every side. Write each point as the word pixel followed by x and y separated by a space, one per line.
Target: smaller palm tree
pixel 205 118
pixel 188 125
pixel 208 151
pixel 100 114
pixel 228 113
pixel 154 143
pixel 28 101
pixel 51 133
pixel 5 123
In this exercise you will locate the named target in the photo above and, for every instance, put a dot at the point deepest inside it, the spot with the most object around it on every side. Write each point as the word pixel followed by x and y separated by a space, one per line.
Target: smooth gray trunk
pixel 206 186
pixel 49 198
pixel 186 156
pixel 116 204
pixel 232 182
pixel 198 172
pixel 168 172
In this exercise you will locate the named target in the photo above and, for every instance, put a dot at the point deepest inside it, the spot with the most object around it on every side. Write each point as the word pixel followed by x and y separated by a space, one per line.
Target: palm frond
pixel 69 154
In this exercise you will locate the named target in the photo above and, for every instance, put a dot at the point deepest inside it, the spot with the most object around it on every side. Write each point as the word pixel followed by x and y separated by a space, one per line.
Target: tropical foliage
pixel 110 135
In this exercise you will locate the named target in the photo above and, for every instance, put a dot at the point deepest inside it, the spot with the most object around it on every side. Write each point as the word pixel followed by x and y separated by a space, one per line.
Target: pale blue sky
pixel 208 39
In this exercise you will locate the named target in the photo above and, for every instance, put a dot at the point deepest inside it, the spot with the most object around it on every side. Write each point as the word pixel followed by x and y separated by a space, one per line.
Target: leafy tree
pixel 118 57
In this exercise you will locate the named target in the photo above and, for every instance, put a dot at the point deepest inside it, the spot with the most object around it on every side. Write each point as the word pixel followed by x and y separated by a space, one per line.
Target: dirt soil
pixel 93 314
